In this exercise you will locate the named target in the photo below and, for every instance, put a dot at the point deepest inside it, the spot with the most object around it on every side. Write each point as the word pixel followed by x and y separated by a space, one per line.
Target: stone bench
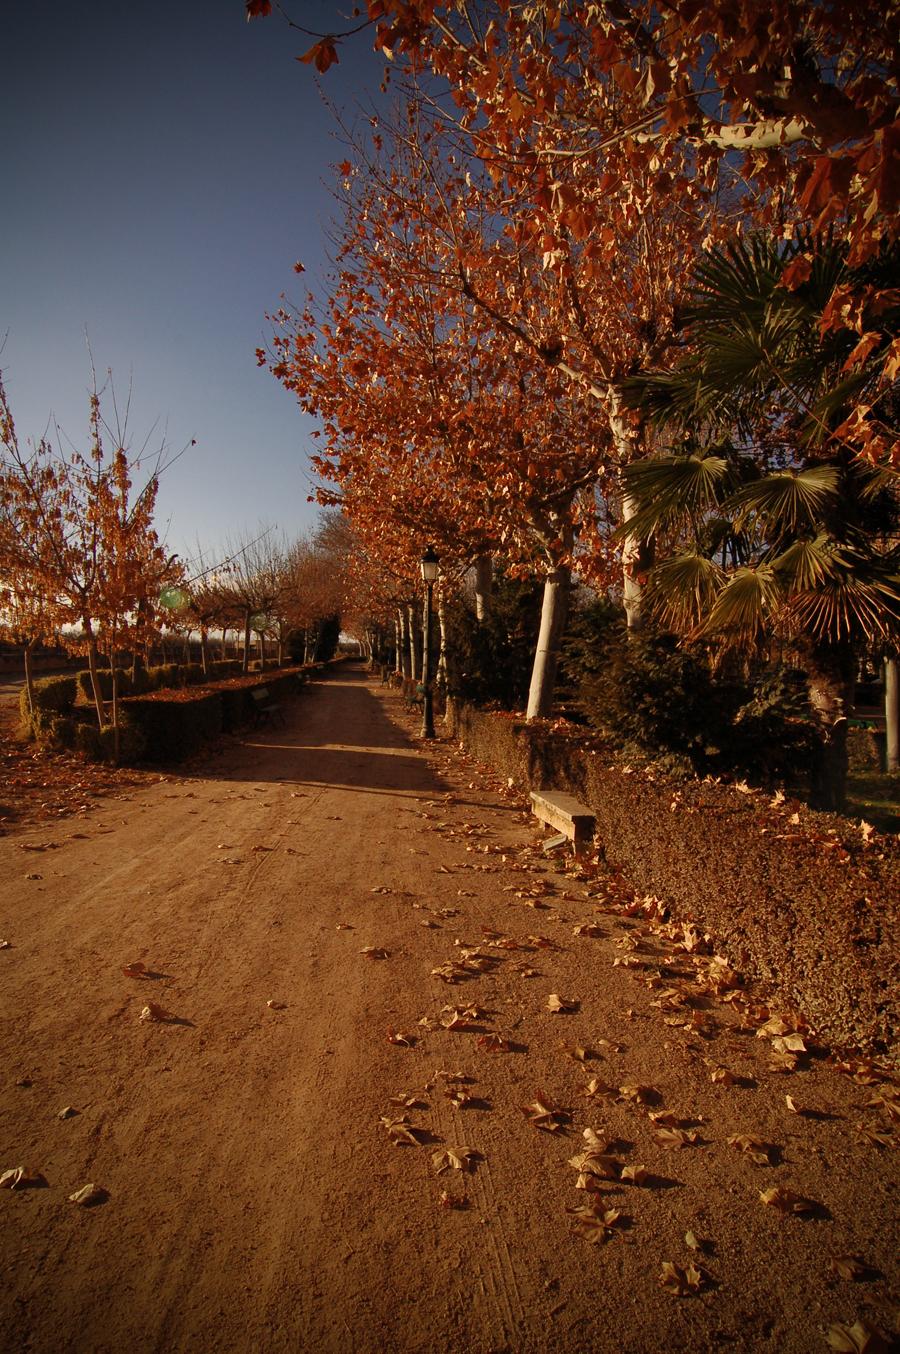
pixel 265 707
pixel 573 821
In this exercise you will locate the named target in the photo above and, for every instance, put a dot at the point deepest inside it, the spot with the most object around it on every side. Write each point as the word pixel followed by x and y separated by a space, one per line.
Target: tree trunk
pixel 224 643
pixel 29 679
pixel 484 585
pixel 114 677
pixel 204 650
pixel 404 646
pixel 441 674
pixel 631 571
pixel 891 716
pixel 830 682
pixel 245 666
pixel 99 703
pixel 554 610
pixel 398 649
pixel 413 652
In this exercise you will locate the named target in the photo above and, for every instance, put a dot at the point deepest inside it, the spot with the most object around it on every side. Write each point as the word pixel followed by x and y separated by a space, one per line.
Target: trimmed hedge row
pixel 175 729
pixel 795 898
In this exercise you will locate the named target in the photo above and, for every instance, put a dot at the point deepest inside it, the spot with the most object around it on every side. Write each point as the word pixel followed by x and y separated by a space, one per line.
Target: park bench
pixel 573 821
pixel 265 707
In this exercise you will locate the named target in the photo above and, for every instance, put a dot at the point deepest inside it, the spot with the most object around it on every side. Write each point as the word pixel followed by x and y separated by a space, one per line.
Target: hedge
pixel 795 898
pixel 175 729
pixel 51 694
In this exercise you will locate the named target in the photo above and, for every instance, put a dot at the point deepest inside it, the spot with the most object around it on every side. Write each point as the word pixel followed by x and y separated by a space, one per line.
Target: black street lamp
pixel 430 566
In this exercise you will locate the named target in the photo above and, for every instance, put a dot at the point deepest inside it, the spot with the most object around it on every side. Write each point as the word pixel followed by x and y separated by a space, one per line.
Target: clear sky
pixel 163 167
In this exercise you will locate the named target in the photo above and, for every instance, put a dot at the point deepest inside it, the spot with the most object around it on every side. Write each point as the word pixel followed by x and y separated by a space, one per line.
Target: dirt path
pixel 256 1202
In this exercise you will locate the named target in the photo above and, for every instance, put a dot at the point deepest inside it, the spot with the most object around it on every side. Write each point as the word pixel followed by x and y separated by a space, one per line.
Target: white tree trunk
pixel 413 652
pixel 441 675
pixel 484 585
pixel 891 715
pixel 553 618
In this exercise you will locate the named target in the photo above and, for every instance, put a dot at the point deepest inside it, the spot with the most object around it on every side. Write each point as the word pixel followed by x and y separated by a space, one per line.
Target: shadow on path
pixel 336 733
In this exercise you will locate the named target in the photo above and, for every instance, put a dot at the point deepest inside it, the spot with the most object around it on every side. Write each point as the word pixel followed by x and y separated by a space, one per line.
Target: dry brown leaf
pixel 593 1222
pixel 576 1052
pixel 677 1137
pixel 848 1266
pixel 544 1114
pixel 640 1095
pixel 588 928
pixel 21 1177
pixel 558 1004
pixel 89 1195
pixel 875 1136
pixel 786 1201
pixel 67 1112
pixel 597 1087
pixel 397 1037
pixel 758 1152
pixel 635 1175
pixel 458 1096
pixel 888 1103
pixel 665 1118
pixel 860 1338
pixel 681 1280
pixel 492 1043
pixel 153 1011
pixel 404 1101
pixel 454 1159
pixel 692 1241
pixel 791 1043
pixel 374 952
pixel 401 1131
pixel 135 970
pixel 720 1076
pixel 459 1017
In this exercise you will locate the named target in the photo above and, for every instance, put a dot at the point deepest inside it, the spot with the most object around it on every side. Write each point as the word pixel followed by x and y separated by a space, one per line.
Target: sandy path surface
pixel 255 1200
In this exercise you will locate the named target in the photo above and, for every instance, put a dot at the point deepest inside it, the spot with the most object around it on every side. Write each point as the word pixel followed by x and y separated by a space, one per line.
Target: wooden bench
pixel 573 821
pixel 266 708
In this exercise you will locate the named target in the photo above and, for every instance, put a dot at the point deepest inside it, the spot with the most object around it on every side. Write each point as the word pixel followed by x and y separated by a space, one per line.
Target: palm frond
pixel 849 608
pixel 670 489
pixel 681 590
pixel 744 608
pixel 786 501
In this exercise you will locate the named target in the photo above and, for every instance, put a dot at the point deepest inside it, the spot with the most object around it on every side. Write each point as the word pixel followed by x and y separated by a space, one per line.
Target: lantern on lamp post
pixel 430 566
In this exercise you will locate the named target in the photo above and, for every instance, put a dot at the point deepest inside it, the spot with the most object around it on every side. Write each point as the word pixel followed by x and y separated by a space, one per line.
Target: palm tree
pixel 768 524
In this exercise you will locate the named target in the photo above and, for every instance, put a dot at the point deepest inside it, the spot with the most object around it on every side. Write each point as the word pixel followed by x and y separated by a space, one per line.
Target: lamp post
pixel 430 566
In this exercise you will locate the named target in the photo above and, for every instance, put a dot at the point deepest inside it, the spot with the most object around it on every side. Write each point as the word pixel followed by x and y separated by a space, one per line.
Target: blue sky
pixel 164 166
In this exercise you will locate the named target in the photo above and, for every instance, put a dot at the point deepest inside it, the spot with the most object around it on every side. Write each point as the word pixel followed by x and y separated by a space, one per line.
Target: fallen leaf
pixel 692 1242
pixel 860 1338
pixel 576 1052
pixel 720 1076
pixel 597 1087
pixel 454 1159
pixel 641 1095
pixel 677 1137
pixel 5 944
pixel 848 1266
pixel 786 1201
pixel 588 928
pixel 401 1131
pixel 89 1195
pixel 448 1200
pixel 21 1177
pixel 373 952
pixel 135 970
pixel 458 1096
pixel 152 1011
pixel 593 1222
pixel 67 1112
pixel 879 1136
pixel 636 1175
pixel 888 1103
pixel 396 1037
pixel 682 1281
pixel 277 1005
pixel 758 1152
pixel 544 1114
pixel 459 1017
pixel 492 1043
pixel 343 926
pixel 558 1004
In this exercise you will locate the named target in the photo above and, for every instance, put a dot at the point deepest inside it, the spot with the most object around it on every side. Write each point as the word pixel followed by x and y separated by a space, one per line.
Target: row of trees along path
pixel 403 1083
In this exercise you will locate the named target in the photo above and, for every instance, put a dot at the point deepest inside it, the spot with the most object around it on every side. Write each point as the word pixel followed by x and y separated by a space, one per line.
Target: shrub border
pixel 795 898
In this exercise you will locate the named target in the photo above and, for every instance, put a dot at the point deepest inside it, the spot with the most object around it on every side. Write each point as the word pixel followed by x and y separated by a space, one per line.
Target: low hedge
pixel 175 729
pixel 795 898
pixel 50 694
